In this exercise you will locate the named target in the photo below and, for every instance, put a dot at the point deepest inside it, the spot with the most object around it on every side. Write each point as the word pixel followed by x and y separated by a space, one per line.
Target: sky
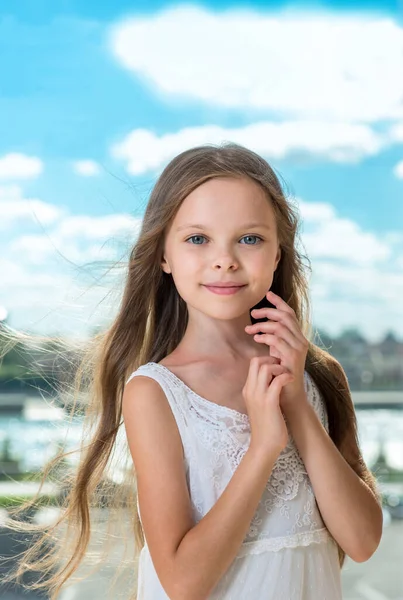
pixel 97 97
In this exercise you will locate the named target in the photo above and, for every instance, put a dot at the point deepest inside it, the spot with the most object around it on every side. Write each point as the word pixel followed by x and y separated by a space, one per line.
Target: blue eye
pixel 245 236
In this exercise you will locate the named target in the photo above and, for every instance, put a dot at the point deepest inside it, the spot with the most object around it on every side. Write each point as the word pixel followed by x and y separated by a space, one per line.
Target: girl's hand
pixel 287 343
pixel 261 393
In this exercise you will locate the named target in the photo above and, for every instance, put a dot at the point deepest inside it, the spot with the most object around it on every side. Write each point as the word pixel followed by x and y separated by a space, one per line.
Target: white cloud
pixel 316 212
pixel 329 236
pixel 19 166
pixel 365 297
pixel 49 250
pixel 35 248
pixel 324 97
pixel 53 301
pixel 77 238
pixel 324 66
pixel 86 167
pixel 340 142
pixel 356 274
pixel 396 132
pixel 46 283
pixel 15 208
pixel 96 228
pixel 398 170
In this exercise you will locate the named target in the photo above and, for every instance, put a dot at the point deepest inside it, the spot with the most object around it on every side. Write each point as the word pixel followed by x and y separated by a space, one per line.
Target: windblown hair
pixel 150 322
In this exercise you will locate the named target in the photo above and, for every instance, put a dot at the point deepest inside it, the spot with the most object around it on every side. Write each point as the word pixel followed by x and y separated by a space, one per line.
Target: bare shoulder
pixel 144 398
pixel 157 452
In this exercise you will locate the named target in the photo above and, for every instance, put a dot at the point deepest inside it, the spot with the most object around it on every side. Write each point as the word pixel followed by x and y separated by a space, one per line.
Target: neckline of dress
pixel 244 417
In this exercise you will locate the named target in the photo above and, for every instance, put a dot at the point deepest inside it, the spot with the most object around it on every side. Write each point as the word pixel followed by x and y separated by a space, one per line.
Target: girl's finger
pixel 272 340
pixel 253 373
pixel 278 370
pixel 263 376
pixel 286 319
pixel 280 330
pixel 266 374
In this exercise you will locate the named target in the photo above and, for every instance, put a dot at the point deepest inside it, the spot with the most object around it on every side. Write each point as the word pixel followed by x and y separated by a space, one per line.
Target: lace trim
pixel 180 384
pixel 305 538
pixel 231 439
pixel 217 409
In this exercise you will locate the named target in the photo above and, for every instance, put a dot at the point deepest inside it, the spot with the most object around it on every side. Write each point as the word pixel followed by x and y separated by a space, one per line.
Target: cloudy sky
pixel 97 97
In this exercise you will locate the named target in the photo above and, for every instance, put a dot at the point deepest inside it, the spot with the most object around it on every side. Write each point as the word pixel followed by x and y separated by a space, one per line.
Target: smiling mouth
pixel 225 286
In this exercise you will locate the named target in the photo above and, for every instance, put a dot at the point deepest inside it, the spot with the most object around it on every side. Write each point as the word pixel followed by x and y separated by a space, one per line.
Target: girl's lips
pixel 224 291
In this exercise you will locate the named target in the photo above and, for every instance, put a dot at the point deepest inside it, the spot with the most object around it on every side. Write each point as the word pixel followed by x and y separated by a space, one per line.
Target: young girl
pixel 250 484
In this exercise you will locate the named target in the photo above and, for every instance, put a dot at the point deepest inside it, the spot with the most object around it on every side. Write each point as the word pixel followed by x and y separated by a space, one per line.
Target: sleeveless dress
pixel 287 553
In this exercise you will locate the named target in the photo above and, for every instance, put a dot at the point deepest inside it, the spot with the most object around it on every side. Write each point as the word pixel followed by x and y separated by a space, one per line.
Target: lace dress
pixel 287 553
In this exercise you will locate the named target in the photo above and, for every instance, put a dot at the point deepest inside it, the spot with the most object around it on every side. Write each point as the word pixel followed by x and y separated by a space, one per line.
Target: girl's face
pixel 235 240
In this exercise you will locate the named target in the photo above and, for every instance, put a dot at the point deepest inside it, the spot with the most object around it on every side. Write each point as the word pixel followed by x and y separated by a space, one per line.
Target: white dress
pixel 287 553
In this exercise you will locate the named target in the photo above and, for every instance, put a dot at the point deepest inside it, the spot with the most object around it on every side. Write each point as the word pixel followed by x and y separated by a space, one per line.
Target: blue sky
pixel 97 97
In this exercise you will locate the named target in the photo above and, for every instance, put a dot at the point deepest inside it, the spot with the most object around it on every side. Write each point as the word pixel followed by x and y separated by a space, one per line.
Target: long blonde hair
pixel 150 322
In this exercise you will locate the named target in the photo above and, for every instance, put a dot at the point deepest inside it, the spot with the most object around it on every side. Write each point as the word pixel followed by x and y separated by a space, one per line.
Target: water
pixel 34 441
pixel 378 428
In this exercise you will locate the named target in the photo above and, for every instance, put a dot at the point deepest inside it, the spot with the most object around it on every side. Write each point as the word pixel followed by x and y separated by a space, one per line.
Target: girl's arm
pixel 189 558
pixel 348 506
pixel 212 544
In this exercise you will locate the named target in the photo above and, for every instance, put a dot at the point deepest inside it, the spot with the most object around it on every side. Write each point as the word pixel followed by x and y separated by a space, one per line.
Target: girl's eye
pixel 245 236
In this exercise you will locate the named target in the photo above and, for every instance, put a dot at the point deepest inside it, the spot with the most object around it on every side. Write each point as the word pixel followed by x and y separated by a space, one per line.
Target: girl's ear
pixel 164 263
pixel 165 267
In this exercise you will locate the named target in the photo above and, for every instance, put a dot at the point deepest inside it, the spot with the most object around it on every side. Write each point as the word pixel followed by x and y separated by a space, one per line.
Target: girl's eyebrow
pixel 198 226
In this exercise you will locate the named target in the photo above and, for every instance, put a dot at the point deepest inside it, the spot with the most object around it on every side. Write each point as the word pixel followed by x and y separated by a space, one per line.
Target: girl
pixel 242 434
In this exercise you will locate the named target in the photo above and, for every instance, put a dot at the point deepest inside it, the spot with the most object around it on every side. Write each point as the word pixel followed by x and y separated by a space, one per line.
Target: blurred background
pixel 97 97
